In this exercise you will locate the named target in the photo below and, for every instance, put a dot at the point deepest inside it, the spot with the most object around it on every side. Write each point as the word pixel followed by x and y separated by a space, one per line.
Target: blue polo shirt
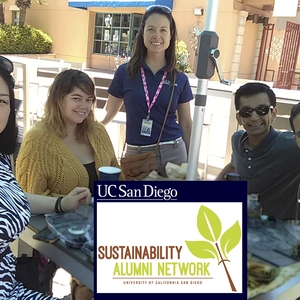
pixel 132 91
pixel 272 170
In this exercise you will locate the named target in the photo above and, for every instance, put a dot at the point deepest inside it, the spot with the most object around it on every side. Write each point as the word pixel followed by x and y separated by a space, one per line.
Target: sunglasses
pixel 6 64
pixel 164 8
pixel 261 110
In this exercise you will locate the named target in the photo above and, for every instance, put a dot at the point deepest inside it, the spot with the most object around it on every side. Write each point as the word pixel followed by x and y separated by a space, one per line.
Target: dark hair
pixel 253 88
pixel 295 111
pixel 140 51
pixel 8 137
pixel 63 85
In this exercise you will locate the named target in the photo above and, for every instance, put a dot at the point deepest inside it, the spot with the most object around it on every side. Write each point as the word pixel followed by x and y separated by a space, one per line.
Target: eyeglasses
pixel 262 110
pixel 6 64
pixel 164 8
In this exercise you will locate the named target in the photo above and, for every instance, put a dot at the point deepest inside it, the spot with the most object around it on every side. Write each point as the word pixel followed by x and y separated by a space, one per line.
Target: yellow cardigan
pixel 46 166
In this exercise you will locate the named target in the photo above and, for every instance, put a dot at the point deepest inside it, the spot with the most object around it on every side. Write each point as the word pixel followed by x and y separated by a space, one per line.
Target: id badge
pixel 146 128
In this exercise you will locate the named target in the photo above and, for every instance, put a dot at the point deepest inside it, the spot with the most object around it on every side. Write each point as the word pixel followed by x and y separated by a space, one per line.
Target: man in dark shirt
pixel 267 159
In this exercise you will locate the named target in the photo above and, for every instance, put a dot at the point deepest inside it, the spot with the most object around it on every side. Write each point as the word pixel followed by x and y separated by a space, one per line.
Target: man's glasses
pixel 261 110
pixel 164 8
pixel 6 64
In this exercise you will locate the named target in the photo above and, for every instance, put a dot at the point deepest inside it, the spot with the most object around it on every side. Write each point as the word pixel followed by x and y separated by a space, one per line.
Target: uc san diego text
pixel 146 192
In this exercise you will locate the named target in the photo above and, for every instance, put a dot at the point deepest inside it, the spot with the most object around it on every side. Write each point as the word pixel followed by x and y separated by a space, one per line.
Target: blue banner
pixel 119 3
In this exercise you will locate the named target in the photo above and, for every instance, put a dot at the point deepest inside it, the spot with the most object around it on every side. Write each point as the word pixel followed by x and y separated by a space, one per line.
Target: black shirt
pixel 93 176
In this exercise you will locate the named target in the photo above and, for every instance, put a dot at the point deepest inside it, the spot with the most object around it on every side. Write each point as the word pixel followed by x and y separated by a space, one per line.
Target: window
pixel 16 17
pixel 115 33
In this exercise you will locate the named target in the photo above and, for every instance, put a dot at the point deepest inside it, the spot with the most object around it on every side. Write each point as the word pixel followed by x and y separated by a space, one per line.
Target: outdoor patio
pixel 219 121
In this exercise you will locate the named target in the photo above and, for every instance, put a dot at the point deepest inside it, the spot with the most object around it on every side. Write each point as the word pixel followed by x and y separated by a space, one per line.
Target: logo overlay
pixel 170 237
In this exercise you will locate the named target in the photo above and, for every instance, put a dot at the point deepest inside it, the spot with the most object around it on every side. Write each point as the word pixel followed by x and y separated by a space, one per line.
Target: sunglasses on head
pixel 6 64
pixel 164 8
pixel 261 110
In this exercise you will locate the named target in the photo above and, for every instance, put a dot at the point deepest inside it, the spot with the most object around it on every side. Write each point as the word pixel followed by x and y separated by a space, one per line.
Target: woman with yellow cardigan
pixel 66 148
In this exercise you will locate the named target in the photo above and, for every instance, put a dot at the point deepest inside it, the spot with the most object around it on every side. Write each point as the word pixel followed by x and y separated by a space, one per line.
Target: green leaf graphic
pixel 202 249
pixel 209 224
pixel 230 238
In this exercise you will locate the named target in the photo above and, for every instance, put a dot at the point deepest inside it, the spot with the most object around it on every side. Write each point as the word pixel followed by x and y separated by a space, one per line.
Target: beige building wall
pixel 66 26
pixel 248 50
pixel 72 31
pixel 226 29
pixel 186 21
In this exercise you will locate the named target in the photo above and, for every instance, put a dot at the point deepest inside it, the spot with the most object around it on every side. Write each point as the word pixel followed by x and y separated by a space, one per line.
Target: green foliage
pixel 202 249
pixel 210 227
pixel 230 238
pixel 209 224
pixel 23 40
pixel 182 57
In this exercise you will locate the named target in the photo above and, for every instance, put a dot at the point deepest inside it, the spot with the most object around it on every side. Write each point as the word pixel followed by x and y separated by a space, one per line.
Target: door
pixel 289 55
pixel 262 71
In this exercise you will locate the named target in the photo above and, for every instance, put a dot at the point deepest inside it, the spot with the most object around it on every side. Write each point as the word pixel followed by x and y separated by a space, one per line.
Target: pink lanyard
pixel 149 105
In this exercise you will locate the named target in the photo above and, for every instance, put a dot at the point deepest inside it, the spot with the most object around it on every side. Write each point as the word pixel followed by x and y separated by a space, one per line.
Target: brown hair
pixel 140 51
pixel 63 85
pixel 8 137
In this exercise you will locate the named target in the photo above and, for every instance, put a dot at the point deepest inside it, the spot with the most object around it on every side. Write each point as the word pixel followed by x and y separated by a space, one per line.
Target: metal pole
pixel 200 100
pixel 26 104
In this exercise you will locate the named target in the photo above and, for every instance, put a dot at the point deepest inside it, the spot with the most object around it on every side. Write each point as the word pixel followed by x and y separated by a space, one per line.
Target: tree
pixel 23 5
pixel 2 20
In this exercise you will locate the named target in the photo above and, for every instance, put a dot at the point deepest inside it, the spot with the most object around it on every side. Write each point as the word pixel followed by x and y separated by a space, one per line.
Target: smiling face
pixel 4 104
pixel 76 106
pixel 255 125
pixel 157 33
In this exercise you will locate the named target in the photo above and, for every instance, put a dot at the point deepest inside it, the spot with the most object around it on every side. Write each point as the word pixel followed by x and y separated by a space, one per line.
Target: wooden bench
pixel 241 81
pixel 116 128
pixel 75 65
pixel 284 107
pixel 101 87
pixel 49 67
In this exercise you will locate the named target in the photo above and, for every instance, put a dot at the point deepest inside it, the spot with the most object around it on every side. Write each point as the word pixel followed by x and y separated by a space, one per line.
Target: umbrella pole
pixel 207 54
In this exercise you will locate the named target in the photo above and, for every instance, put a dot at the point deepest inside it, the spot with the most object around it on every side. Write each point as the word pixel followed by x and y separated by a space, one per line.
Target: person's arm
pixel 112 107
pixel 185 122
pixel 226 169
pixel 44 204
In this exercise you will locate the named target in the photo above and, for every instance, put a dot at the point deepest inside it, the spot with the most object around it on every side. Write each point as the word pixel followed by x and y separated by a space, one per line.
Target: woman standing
pixel 144 85
pixel 15 205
